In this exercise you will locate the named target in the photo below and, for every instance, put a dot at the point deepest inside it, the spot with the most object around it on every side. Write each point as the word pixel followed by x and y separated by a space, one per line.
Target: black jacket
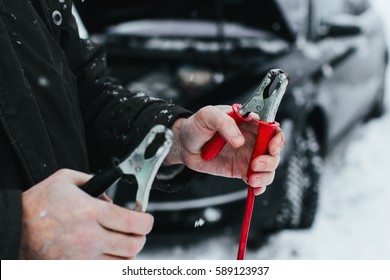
pixel 58 109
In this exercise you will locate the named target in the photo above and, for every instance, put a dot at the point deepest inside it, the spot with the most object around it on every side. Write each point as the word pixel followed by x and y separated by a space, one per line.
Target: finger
pixel 265 163
pixel 122 245
pixel 213 119
pixel 123 220
pixel 75 177
pixel 109 257
pixel 276 144
pixel 261 179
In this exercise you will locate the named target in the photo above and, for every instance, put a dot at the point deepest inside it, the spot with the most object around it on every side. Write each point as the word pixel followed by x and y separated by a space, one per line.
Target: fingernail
pixel 259 191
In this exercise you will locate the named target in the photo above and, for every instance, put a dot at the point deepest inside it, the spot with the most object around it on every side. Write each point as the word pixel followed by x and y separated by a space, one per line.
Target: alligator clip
pixel 144 169
pixel 266 130
pixel 263 102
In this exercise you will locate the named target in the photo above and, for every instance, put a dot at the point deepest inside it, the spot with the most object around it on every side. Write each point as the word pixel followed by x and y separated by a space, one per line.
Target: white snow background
pixel 353 216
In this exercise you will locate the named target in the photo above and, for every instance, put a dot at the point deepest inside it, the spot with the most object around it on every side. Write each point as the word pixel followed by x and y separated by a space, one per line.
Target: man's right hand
pixel 60 221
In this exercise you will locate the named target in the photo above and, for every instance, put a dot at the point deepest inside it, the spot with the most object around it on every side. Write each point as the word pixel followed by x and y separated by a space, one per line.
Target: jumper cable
pixel 265 104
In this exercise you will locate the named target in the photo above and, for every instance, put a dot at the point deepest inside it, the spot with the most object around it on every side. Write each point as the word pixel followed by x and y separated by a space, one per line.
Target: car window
pixel 296 14
pixel 331 11
pixel 356 7
pixel 327 10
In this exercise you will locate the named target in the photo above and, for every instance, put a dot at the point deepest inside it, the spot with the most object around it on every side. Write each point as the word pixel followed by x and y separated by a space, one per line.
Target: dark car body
pixel 216 52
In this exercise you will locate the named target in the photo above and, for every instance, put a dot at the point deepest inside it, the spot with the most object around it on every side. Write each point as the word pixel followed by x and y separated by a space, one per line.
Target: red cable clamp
pixel 266 105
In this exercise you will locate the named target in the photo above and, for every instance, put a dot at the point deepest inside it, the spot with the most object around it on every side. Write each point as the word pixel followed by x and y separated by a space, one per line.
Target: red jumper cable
pixel 266 105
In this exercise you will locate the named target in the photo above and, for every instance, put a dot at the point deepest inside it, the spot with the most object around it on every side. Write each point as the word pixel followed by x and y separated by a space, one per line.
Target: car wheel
pixel 301 183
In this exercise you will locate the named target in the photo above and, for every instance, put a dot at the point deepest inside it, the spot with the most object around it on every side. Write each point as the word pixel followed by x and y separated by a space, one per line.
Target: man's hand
pixel 60 221
pixel 192 134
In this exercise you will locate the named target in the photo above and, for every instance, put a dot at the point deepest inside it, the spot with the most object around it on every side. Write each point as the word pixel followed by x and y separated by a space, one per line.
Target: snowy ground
pixel 353 218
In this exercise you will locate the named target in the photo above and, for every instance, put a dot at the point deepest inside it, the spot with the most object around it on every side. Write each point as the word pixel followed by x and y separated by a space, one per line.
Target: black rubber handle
pixel 99 183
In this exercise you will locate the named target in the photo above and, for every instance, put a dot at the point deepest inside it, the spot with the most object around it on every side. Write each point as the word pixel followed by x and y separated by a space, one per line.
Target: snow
pixel 353 215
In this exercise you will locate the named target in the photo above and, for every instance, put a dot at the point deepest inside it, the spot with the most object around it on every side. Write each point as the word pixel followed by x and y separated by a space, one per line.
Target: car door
pixel 346 34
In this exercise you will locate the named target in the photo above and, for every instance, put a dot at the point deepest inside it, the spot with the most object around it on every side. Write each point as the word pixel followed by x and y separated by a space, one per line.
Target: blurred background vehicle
pixel 216 52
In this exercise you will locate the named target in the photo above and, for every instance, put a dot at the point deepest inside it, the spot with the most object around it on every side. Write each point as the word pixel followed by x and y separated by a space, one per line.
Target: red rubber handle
pixel 213 147
pixel 264 134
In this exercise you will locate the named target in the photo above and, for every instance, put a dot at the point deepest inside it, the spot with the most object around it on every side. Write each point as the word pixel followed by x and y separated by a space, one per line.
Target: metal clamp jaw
pixel 143 169
pixel 264 103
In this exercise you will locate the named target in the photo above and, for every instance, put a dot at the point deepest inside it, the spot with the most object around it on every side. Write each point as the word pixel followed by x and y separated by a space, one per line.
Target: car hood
pixel 266 15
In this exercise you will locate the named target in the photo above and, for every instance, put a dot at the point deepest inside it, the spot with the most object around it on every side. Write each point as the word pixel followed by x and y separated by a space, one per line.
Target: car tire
pixel 301 183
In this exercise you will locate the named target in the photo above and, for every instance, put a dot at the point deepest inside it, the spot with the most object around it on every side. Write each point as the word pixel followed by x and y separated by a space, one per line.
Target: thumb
pixel 213 118
pixel 75 177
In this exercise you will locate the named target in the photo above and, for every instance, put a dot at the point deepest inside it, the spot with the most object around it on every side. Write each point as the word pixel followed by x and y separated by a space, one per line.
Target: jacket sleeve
pixel 116 120
pixel 11 225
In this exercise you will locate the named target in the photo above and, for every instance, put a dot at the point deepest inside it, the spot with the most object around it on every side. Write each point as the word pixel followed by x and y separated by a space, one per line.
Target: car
pixel 198 53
